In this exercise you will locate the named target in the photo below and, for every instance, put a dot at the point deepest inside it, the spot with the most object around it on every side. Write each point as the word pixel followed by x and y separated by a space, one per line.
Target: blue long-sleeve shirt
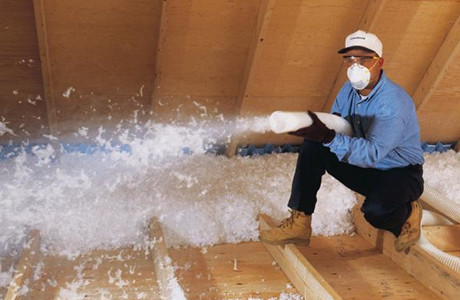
pixel 385 127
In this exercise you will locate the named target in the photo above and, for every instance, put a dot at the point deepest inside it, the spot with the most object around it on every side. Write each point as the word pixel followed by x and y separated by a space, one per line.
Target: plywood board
pixel 101 57
pixel 412 32
pixel 439 117
pixel 204 52
pixel 231 271
pixel 205 47
pixel 257 41
pixel 22 105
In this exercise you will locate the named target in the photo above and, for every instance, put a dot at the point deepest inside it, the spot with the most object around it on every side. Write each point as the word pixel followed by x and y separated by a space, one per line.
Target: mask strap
pixel 374 64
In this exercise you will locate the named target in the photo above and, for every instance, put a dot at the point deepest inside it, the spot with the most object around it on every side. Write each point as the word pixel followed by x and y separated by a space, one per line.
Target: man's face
pixel 368 59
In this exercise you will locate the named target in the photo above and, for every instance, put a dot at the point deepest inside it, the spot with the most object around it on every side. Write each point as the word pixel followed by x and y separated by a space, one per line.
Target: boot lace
pixel 407 229
pixel 288 222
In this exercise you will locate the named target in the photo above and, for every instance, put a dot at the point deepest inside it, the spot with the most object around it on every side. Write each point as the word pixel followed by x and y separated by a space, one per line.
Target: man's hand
pixel 316 132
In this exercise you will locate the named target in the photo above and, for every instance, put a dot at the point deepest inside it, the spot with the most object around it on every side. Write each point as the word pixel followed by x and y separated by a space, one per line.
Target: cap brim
pixel 355 47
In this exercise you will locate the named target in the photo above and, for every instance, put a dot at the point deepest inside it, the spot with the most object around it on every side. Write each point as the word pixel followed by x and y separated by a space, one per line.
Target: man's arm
pixel 384 135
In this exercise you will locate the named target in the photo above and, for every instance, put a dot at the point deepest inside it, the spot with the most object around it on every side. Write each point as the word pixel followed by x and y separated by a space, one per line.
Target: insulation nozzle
pixel 287 121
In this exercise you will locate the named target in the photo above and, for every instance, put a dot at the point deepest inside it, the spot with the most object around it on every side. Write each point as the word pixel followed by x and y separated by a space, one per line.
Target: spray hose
pixel 450 209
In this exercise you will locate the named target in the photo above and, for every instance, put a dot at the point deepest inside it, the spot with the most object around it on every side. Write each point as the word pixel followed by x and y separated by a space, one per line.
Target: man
pixel 382 160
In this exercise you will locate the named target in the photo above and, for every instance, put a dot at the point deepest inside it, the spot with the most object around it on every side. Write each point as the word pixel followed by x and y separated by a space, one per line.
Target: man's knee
pixel 374 215
pixel 381 214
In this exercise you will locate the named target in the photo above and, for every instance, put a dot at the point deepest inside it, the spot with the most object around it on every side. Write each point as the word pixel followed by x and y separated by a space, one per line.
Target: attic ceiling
pixel 69 63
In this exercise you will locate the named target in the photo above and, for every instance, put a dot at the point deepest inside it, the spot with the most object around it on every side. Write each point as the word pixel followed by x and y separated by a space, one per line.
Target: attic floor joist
pixel 351 267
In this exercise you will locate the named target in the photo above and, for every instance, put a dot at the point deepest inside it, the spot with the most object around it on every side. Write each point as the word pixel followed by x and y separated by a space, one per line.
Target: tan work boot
pixel 411 231
pixel 295 229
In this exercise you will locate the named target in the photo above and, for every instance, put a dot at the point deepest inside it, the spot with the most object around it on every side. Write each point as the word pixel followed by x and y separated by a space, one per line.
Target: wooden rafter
pixel 265 9
pixel 43 45
pixel 159 55
pixel 368 22
pixel 449 49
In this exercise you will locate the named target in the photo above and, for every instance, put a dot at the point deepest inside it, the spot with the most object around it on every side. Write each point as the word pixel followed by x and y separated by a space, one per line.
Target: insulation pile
pixel 104 200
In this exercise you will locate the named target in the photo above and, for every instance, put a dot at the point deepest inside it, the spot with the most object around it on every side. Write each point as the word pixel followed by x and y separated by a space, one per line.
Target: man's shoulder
pixel 391 91
pixel 390 86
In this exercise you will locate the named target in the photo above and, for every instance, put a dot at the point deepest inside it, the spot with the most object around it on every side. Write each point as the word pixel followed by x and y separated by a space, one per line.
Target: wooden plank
pixel 357 270
pixel 48 86
pixel 445 237
pixel 263 19
pixel 162 262
pixel 368 23
pixel 229 271
pixel 304 276
pixel 159 55
pixel 442 281
pixel 438 67
pixel 23 274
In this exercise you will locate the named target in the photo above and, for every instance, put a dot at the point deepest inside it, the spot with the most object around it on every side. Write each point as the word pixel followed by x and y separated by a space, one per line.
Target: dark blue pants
pixel 388 193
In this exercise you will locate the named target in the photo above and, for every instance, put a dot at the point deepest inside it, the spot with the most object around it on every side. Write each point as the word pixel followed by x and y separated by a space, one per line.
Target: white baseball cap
pixel 362 39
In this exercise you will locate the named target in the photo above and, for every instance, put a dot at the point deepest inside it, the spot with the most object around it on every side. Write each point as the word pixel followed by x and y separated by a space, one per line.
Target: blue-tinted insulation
pixel 12 150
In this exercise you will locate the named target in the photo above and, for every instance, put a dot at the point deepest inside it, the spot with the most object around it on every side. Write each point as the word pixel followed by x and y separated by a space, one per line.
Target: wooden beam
pixel 440 279
pixel 43 45
pixel 167 283
pixel 263 19
pixel 449 50
pixel 23 274
pixel 159 56
pixel 368 22
pixel 297 268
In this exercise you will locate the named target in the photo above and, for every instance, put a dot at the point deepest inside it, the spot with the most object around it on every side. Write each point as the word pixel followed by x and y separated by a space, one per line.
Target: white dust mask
pixel 359 76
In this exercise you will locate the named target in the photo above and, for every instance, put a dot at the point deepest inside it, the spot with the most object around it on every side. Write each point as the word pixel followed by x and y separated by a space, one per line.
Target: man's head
pixel 366 50
pixel 363 40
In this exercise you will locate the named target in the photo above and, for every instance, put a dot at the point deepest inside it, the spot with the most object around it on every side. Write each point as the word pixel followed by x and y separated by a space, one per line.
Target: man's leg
pixel 314 159
pixel 312 162
pixel 389 203
pixel 389 193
